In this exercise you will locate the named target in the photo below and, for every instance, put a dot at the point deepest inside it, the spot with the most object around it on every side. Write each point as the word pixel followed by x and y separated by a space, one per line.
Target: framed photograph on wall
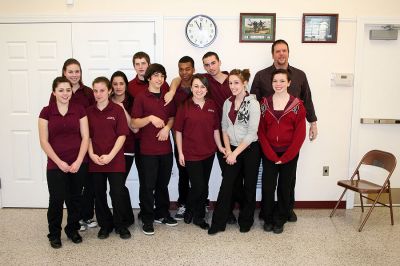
pixel 320 28
pixel 257 27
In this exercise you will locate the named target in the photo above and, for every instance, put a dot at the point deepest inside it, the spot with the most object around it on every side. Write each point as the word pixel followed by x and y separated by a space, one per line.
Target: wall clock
pixel 201 31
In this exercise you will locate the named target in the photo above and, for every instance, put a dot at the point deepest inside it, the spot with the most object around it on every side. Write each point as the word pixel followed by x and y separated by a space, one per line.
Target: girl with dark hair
pixel 120 95
pixel 282 132
pixel 197 139
pixel 64 137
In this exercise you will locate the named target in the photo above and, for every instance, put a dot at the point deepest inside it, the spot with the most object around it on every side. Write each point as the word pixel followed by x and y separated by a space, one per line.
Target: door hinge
pixel 0 183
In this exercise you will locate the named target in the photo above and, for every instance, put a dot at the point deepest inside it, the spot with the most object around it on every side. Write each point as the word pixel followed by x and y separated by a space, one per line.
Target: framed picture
pixel 320 28
pixel 257 27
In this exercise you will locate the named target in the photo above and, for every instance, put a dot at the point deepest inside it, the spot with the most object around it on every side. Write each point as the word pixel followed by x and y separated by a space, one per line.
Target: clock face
pixel 201 31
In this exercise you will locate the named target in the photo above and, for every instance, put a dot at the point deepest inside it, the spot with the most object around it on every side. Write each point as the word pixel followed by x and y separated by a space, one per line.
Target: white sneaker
pixel 180 214
pixel 90 223
pixel 83 225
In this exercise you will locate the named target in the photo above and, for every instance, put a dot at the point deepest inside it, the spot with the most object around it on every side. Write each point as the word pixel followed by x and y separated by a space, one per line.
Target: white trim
pixel 354 157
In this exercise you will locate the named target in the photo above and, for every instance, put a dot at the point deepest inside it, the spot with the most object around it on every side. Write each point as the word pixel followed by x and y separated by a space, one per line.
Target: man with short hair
pixel 262 87
pixel 186 71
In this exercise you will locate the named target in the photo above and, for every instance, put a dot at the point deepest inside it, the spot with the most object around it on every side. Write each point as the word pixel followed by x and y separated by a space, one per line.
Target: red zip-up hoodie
pixel 287 131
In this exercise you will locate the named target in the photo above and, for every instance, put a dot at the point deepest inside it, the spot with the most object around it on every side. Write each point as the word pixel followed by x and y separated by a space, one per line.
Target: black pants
pixel 199 175
pixel 88 197
pixel 154 186
pixel 183 182
pixel 138 159
pixel 278 176
pixel 247 164
pixel 105 218
pixel 64 187
pixel 129 212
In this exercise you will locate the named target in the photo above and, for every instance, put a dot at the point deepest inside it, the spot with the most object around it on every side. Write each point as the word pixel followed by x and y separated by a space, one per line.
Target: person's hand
pixel 168 97
pixel 157 122
pixel 64 166
pixel 227 153
pixel 231 159
pixel 75 166
pixel 163 134
pixel 182 159
pixel 105 158
pixel 96 159
pixel 313 133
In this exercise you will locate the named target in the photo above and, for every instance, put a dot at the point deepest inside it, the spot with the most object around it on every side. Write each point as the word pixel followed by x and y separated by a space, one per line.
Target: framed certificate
pixel 320 28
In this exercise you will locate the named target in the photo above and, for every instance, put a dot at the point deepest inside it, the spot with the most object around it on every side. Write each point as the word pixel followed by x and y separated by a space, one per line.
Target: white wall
pixel 333 104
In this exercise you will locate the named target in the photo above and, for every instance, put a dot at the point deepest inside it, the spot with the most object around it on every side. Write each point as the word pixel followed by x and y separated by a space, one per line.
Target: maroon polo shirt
pixel 197 126
pixel 64 132
pixel 219 91
pixel 147 104
pixel 181 95
pixel 83 96
pixel 129 145
pixel 105 127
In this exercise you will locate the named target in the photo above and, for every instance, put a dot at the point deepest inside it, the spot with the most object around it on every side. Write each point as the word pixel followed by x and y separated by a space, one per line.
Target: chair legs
pixel 390 204
pixel 362 203
pixel 337 204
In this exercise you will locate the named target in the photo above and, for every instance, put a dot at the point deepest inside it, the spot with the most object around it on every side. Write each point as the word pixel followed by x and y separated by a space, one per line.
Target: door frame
pixel 86 18
pixel 354 158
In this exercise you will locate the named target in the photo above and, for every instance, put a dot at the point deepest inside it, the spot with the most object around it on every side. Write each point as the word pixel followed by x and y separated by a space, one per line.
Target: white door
pixel 376 95
pixel 102 49
pixel 31 56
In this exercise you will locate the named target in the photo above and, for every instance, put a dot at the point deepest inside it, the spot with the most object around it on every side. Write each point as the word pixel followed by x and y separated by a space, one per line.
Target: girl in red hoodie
pixel 281 133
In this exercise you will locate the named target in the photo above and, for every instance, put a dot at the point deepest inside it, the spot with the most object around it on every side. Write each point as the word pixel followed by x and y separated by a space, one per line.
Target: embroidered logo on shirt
pixel 110 118
pixel 211 110
pixel 296 109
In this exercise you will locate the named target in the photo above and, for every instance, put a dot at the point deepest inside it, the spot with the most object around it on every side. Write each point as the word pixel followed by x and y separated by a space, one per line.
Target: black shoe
pixel 55 242
pixel 278 229
pixel 167 221
pixel 244 229
pixel 213 230
pixel 187 218
pixel 268 227
pixel 148 229
pixel 231 219
pixel 292 216
pixel 123 233
pixel 75 237
pixel 202 224
pixel 103 233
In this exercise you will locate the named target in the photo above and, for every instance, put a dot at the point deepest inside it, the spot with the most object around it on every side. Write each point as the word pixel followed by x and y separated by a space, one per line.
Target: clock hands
pixel 199 26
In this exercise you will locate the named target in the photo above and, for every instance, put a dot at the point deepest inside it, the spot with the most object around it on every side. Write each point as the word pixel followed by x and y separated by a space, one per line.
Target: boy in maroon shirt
pixel 155 120
pixel 108 129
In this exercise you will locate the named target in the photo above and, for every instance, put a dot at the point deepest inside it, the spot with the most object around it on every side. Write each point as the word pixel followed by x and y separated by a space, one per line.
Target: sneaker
pixel 91 223
pixel 148 229
pixel 180 214
pixel 167 220
pixel 83 226
pixel 123 233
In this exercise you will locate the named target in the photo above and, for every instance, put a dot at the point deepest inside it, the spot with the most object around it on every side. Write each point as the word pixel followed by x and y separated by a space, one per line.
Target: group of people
pixel 92 136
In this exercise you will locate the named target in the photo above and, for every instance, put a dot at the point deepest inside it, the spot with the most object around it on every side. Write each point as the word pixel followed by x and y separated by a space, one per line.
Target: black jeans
pixel 138 158
pixel 129 212
pixel 64 187
pixel 120 205
pixel 183 182
pixel 88 197
pixel 246 166
pixel 199 175
pixel 154 186
pixel 280 177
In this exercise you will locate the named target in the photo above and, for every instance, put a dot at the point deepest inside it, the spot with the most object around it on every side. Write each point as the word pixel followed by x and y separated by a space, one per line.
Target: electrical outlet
pixel 325 170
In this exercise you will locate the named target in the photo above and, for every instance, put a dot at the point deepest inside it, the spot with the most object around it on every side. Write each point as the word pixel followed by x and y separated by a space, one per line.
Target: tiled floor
pixel 314 240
